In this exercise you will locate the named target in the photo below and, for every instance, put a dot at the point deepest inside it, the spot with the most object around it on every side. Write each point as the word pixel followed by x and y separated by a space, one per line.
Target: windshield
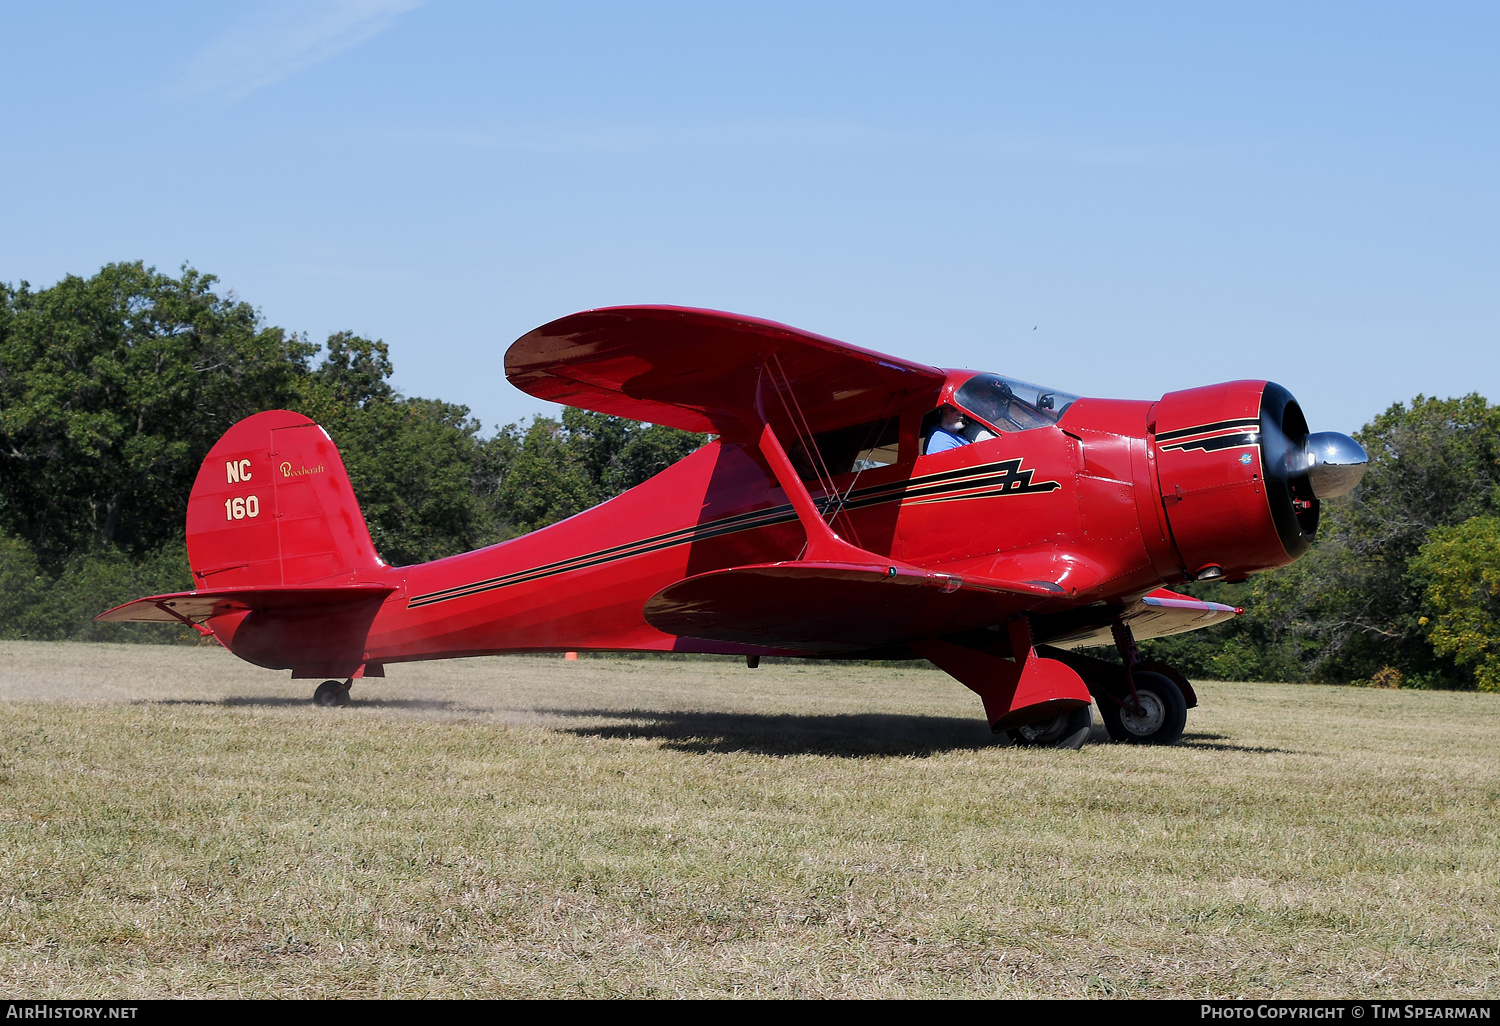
pixel 1011 405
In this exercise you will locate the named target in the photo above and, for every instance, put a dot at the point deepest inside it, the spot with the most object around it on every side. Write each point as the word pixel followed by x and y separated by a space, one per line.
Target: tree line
pixel 113 388
pixel 1401 588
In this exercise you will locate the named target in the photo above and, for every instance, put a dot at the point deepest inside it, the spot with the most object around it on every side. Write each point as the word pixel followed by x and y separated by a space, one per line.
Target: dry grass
pixel 174 822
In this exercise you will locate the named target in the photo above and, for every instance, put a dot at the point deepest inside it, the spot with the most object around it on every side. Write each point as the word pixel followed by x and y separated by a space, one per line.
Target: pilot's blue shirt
pixel 940 440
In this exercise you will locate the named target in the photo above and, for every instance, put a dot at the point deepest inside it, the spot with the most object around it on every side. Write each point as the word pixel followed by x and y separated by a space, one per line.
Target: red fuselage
pixel 1114 500
pixel 852 504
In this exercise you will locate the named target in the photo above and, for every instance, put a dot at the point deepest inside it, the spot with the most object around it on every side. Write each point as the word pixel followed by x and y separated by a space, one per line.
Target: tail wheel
pixel 331 693
pixel 1070 730
pixel 1157 717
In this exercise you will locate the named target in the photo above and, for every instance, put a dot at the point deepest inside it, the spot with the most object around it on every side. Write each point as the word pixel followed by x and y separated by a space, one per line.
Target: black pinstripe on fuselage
pixel 990 480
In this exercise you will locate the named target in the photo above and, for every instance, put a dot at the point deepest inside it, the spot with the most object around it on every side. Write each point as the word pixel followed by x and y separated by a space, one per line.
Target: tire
pixel 1162 716
pixel 1069 730
pixel 331 693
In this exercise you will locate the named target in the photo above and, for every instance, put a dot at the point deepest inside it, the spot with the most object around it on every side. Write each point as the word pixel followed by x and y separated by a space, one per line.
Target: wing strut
pixel 166 607
pixel 823 546
pixel 782 384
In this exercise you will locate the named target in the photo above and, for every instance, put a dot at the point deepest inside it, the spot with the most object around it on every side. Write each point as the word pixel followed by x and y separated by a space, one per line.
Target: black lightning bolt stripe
pixel 1244 424
pixel 1216 442
pixel 1006 477
pixel 988 481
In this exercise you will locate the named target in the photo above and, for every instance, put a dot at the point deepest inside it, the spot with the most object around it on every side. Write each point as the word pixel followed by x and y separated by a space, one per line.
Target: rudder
pixel 272 505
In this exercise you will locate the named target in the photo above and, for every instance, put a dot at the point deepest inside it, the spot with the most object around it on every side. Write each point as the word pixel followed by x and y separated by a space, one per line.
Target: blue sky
pixel 1113 199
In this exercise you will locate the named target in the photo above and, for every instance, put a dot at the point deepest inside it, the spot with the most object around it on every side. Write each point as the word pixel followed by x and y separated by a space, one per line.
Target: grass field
pixel 175 822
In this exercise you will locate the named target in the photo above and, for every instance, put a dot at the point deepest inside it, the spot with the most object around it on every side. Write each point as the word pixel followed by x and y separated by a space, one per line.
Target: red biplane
pixel 850 505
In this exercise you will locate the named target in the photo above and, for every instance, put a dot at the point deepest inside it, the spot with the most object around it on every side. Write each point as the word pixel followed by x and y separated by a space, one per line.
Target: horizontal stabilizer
pixel 833 607
pixel 199 606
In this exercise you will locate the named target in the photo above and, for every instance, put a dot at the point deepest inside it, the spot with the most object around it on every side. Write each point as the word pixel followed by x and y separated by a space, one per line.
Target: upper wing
pixel 701 370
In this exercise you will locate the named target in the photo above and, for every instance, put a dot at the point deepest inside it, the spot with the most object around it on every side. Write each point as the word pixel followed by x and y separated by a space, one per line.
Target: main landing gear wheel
pixel 1157 719
pixel 1069 730
pixel 331 693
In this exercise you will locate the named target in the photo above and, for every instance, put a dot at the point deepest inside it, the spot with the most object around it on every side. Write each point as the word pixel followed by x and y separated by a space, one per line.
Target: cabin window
pixel 851 449
pixel 1011 405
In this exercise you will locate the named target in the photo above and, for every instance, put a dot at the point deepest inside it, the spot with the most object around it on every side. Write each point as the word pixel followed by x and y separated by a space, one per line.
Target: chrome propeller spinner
pixel 1303 468
pixel 1335 463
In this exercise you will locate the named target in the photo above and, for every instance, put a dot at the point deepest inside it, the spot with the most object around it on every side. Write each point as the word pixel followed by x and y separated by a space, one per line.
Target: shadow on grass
pixel 1206 742
pixel 853 735
pixel 268 702
pixel 848 736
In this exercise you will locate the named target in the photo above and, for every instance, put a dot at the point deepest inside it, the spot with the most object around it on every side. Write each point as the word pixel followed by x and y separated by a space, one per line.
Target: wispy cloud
pixel 280 39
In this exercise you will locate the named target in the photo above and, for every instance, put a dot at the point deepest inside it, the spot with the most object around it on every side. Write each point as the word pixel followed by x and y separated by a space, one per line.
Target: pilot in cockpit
pixel 947 434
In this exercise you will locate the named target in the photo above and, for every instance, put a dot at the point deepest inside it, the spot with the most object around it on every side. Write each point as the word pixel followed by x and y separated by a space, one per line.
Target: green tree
pixel 648 450
pixel 553 469
pixel 355 371
pixel 43 607
pixel 594 442
pixel 1433 464
pixel 112 390
pixel 417 465
pixel 23 587
pixel 546 480
pixel 1353 605
pixel 1460 568
pixel 413 464
pixel 618 454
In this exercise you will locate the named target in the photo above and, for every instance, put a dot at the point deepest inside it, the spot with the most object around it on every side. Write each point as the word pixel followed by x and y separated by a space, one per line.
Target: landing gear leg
pixel 1153 712
pixel 332 693
pixel 1155 715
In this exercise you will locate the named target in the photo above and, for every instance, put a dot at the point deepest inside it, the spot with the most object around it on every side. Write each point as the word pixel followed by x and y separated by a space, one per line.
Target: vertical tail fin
pixel 273 505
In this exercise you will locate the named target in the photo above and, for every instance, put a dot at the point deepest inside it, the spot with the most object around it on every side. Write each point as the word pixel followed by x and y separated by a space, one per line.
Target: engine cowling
pixel 1242 478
